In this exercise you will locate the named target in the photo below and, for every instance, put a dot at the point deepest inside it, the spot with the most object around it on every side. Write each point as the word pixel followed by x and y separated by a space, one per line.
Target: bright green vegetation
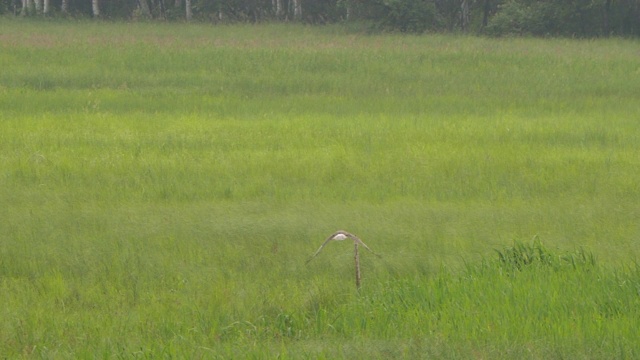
pixel 161 187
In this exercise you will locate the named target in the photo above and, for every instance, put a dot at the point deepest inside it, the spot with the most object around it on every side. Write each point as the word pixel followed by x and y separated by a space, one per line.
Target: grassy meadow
pixel 162 185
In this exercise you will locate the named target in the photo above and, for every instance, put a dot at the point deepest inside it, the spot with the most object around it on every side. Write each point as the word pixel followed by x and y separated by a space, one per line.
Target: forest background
pixel 574 18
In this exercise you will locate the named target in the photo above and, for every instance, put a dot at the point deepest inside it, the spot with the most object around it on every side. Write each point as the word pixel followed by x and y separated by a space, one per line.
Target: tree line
pixel 579 18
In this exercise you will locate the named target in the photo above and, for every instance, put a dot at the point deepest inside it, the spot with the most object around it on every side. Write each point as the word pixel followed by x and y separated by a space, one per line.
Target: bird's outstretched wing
pixel 326 242
pixel 348 235
pixel 360 242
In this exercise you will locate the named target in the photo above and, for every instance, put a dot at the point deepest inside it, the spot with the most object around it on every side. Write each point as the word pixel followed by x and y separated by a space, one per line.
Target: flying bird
pixel 341 235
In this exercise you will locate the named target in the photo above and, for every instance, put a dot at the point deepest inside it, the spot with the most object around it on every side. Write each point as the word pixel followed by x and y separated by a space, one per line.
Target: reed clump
pixel 521 255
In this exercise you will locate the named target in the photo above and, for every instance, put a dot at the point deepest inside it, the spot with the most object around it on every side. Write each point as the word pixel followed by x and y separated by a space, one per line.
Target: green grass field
pixel 162 185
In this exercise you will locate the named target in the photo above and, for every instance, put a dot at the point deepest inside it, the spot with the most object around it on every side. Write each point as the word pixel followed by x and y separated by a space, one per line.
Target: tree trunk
pixel 144 8
pixel 485 13
pixel 65 6
pixel 46 8
pixel 464 15
pixel 38 4
pixel 188 13
pixel 27 7
pixel 95 8
pixel 297 9
pixel 349 10
pixel 607 11
pixel 279 11
pixel 178 4
pixel 163 9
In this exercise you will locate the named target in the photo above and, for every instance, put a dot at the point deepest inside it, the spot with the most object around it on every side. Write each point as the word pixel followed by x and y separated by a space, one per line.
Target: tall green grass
pixel 162 185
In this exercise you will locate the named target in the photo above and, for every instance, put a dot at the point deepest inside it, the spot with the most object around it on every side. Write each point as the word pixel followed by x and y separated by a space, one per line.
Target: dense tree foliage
pixel 582 18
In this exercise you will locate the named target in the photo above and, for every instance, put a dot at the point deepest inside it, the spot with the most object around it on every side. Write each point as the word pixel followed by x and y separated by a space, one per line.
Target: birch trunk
pixel 297 9
pixel 279 11
pixel 46 8
pixel 38 4
pixel 348 16
pixel 95 8
pixel 607 12
pixel 162 7
pixel 464 15
pixel 485 13
pixel 27 7
pixel 64 7
pixel 144 8
pixel 188 13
